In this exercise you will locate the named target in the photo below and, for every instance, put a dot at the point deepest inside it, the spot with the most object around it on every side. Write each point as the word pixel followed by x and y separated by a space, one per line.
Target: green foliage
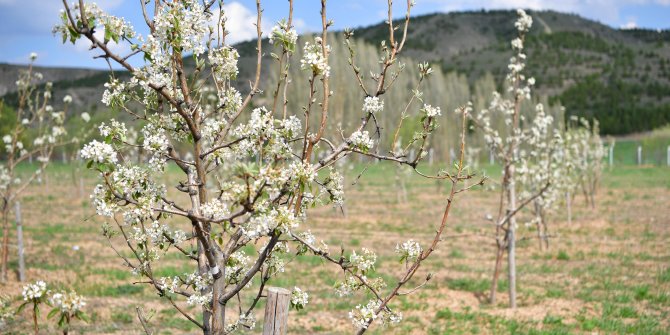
pixel 7 121
pixel 122 317
pixel 563 256
pixel 620 106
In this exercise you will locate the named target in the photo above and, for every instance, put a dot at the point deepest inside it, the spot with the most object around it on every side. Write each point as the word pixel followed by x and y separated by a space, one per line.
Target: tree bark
pixel 511 242
pixel 19 240
pixel 5 242
pixel 496 274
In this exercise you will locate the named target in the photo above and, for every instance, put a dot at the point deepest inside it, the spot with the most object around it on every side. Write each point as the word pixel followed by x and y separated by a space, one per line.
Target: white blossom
pixel 431 111
pixel 224 63
pixel 363 262
pixel 67 302
pixel 524 22
pixel 283 35
pixel 409 250
pixel 314 60
pixel 361 140
pixel 99 152
pixel 299 298
pixel 197 299
pixel 34 291
pixel 373 105
pixel 363 315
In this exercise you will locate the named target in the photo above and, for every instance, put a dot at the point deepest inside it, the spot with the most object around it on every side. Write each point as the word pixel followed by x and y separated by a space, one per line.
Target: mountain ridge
pixel 627 72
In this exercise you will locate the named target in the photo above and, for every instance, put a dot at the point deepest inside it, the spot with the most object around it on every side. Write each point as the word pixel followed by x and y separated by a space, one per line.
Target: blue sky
pixel 25 25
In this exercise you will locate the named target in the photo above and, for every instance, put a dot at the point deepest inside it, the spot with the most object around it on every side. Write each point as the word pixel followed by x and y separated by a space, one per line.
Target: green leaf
pixel 52 313
pixel 22 307
pixel 82 316
pixel 108 34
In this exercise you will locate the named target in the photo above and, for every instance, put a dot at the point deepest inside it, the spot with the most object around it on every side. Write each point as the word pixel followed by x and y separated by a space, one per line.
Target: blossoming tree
pixel 67 305
pixel 526 149
pixel 36 130
pixel 577 163
pixel 248 174
pixel 584 142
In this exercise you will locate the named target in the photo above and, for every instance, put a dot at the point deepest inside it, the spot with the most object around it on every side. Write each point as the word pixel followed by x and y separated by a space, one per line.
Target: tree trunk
pixel 5 242
pixel 19 240
pixel 218 309
pixel 496 274
pixel 202 270
pixel 511 242
pixel 545 231
pixel 539 225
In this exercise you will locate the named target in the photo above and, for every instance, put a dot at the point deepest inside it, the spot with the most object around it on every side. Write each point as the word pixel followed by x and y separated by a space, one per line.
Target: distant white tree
pixel 36 130
pixel 526 147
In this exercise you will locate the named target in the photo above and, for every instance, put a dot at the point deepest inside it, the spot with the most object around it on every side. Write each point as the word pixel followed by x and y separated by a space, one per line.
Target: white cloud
pixel 300 25
pixel 240 23
pixel 37 16
pixel 608 11
pixel 631 23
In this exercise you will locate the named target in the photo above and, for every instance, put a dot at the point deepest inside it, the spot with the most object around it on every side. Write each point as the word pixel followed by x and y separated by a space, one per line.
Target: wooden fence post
pixel 611 156
pixel 19 237
pixel 639 155
pixel 276 311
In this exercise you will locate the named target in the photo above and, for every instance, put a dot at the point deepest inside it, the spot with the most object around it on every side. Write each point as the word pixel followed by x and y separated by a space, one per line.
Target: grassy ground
pixel 607 272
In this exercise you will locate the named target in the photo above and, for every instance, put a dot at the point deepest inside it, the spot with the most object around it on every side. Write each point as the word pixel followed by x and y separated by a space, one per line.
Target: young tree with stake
pixel 248 175
pixel 525 148
pixel 36 130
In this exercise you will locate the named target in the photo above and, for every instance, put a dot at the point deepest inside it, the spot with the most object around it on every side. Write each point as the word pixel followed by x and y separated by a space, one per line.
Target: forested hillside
pixel 621 77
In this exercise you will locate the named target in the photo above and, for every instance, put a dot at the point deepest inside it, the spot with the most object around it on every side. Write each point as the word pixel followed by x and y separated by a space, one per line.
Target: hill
pixel 621 77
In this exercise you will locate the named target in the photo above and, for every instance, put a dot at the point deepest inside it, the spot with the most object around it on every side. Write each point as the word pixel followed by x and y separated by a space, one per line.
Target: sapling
pixel 37 128
pixel 34 295
pixel 525 148
pixel 67 305
pixel 247 172
pixel 578 157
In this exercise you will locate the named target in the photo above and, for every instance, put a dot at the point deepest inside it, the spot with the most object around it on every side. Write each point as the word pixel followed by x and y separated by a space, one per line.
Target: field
pixel 608 272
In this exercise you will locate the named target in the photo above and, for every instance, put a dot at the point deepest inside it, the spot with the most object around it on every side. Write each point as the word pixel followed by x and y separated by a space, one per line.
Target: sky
pixel 25 25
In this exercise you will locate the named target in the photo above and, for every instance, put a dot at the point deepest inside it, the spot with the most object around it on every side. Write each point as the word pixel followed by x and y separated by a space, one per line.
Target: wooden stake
pixel 276 311
pixel 611 155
